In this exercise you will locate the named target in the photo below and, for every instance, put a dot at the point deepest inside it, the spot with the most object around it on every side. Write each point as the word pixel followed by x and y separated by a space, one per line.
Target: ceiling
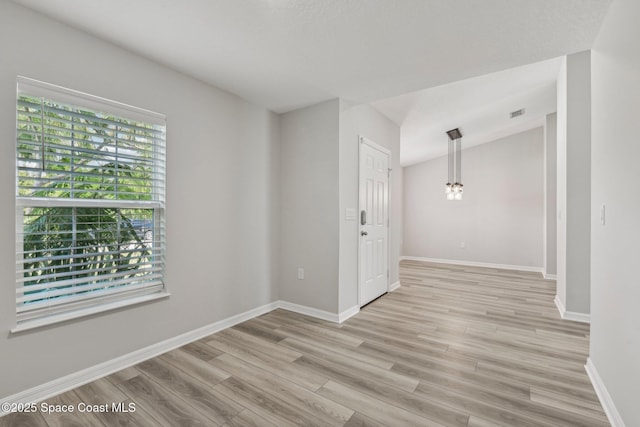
pixel 479 106
pixel 286 54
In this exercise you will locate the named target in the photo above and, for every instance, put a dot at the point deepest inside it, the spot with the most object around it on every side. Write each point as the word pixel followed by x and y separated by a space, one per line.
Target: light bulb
pixel 458 196
pixel 450 196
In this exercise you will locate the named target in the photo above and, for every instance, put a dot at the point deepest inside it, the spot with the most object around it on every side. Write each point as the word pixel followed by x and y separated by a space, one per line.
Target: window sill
pixel 63 317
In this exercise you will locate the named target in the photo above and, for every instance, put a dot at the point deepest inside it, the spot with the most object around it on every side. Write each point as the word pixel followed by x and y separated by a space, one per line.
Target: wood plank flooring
pixel 454 346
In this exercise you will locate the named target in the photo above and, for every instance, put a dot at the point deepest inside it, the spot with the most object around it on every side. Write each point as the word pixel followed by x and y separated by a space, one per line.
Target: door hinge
pixel 387 273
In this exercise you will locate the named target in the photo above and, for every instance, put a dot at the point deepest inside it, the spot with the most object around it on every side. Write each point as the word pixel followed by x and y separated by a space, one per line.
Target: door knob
pixel 363 233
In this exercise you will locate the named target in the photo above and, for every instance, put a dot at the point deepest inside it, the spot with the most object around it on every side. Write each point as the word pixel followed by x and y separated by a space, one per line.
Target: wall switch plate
pixel 350 214
pixel 463 245
pixel 300 273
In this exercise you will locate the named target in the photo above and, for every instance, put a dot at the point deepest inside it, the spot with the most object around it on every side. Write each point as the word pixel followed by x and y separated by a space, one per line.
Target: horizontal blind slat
pixel 61 149
pixel 90 306
pixel 74 112
pixel 157 265
pixel 114 282
pixel 43 202
pixel 56 129
pixel 87 296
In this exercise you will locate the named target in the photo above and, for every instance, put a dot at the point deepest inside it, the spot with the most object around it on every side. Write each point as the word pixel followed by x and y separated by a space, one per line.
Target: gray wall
pixel 222 201
pixel 309 220
pixel 355 121
pixel 500 216
pixel 319 175
pixel 574 182
pixel 615 287
pixel 550 196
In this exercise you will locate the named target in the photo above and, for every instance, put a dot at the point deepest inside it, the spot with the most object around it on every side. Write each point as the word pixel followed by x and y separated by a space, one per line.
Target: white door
pixel 374 221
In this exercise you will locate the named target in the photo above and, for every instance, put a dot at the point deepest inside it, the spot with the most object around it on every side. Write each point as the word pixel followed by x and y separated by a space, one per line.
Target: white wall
pixel 222 200
pixel 574 182
pixel 309 191
pixel 355 121
pixel 561 189
pixel 500 216
pixel 615 287
pixel 550 195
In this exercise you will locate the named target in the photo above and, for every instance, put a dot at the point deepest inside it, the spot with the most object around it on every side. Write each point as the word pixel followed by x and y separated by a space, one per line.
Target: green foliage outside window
pixel 69 153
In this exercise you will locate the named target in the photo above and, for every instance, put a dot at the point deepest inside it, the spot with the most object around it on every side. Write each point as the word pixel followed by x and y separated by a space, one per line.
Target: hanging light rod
pixel 454 184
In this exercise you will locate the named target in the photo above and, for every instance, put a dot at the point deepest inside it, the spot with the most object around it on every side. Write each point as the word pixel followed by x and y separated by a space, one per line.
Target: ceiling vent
pixel 516 113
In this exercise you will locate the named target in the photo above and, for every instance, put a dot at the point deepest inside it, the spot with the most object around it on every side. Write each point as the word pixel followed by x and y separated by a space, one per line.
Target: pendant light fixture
pixel 454 185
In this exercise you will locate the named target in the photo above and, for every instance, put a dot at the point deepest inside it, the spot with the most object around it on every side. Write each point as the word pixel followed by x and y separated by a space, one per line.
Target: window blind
pixel 90 204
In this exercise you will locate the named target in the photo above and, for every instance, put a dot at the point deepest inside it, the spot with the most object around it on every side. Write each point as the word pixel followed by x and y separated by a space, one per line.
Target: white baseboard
pixel 577 317
pixel 77 379
pixel 571 315
pixel 346 314
pixel 549 276
pixel 309 311
pixel 559 306
pixel 319 314
pixel 603 394
pixel 474 264
pixel 394 286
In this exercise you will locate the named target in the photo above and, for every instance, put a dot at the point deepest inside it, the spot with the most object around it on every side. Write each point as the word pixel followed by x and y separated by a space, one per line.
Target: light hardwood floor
pixel 454 346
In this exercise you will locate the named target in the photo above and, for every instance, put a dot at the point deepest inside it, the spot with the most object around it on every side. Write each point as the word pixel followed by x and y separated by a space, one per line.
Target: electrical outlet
pixel 300 273
pixel 602 214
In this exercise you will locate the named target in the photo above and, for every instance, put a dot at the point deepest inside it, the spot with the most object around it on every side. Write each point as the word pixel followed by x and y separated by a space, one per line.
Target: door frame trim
pixel 375 146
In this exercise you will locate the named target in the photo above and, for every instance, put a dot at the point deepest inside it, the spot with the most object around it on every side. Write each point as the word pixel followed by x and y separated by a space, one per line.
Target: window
pixel 89 204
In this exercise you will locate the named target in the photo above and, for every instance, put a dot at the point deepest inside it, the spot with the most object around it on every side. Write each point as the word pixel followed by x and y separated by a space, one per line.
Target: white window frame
pixel 65 312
